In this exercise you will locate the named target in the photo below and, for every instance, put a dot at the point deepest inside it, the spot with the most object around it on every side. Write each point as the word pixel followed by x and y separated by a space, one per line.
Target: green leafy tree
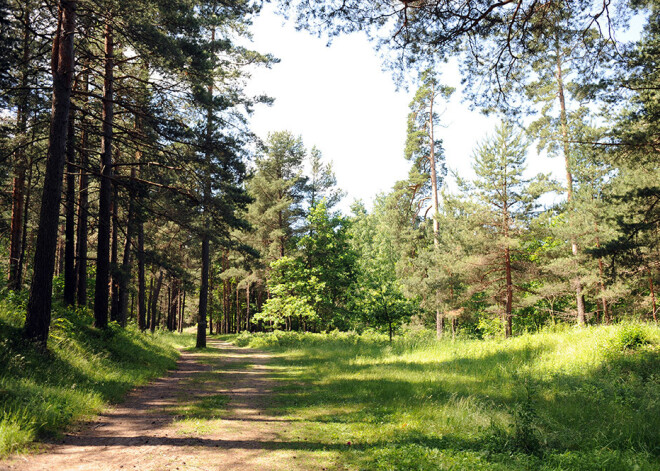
pixel 296 294
pixel 377 296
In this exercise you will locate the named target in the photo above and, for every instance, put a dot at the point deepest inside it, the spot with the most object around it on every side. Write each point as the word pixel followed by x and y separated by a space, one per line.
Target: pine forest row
pixel 134 191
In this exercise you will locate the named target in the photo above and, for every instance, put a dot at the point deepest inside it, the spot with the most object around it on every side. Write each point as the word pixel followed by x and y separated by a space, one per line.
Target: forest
pixel 137 202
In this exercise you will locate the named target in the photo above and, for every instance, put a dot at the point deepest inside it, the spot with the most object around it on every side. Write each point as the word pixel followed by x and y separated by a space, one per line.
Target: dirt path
pixel 209 414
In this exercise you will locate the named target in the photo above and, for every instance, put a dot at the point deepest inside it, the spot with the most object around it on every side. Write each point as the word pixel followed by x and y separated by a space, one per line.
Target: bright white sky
pixel 339 99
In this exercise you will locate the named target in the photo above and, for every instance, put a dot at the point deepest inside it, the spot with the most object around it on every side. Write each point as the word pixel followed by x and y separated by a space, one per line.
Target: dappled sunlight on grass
pixel 580 399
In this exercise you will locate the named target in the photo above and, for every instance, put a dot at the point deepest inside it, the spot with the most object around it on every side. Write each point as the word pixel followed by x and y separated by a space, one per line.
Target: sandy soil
pixel 145 432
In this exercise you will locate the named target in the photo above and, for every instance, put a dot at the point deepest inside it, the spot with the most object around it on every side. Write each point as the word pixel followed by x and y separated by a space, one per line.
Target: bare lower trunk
pixel 151 294
pixel 22 256
pixel 203 294
pixel 125 272
pixel 70 219
pixel 508 317
pixel 154 302
pixel 105 191
pixel 653 306
pixel 247 307
pixel 37 320
pixel 83 208
pixel 114 257
pixel 142 308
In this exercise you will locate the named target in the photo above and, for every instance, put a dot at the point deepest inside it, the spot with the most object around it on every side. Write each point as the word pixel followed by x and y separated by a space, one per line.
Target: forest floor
pixel 210 413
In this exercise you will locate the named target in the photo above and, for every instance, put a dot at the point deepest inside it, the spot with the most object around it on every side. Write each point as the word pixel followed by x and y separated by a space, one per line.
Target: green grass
pixel 41 394
pixel 579 399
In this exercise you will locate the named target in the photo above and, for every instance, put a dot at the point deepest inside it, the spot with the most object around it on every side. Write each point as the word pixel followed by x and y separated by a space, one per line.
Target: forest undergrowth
pixel 84 369
pixel 574 399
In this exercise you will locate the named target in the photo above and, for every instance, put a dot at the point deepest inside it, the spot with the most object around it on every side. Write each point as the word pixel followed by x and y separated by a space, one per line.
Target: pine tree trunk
pixel 20 165
pixel 114 257
pixel 59 258
pixel 83 204
pixel 508 319
pixel 174 307
pixel 439 323
pixel 238 309
pixel 37 320
pixel 247 307
pixel 653 305
pixel 154 302
pixel 126 269
pixel 203 293
pixel 183 310
pixel 209 311
pixel 601 282
pixel 22 256
pixel 563 117
pixel 148 312
pixel 70 229
pixel 105 191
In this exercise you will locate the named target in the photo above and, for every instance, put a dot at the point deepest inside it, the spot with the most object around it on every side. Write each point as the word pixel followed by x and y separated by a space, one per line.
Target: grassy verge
pixel 84 370
pixel 580 399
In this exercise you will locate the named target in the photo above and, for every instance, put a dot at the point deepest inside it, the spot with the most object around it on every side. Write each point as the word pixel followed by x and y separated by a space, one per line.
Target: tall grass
pixel 579 399
pixel 84 370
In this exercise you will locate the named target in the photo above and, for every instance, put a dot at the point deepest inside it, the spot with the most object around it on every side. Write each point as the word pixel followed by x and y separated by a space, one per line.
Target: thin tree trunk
pixel 105 191
pixel 20 165
pixel 142 308
pixel 70 211
pixel 154 302
pixel 37 321
pixel 206 254
pixel 183 310
pixel 508 319
pixel 203 293
pixel 653 306
pixel 114 256
pixel 238 309
pixel 210 313
pixel 125 272
pixel 601 282
pixel 563 117
pixel 439 319
pixel 21 260
pixel 59 258
pixel 148 312
pixel 83 204
pixel 247 307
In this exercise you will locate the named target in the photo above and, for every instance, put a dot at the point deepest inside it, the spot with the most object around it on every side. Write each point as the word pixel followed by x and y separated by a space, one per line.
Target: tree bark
pixel 125 272
pixel 114 256
pixel 70 220
pixel 105 191
pixel 21 259
pixel 154 301
pixel 653 305
pixel 39 306
pixel 247 307
pixel 20 166
pixel 203 293
pixel 174 306
pixel 83 203
pixel 151 294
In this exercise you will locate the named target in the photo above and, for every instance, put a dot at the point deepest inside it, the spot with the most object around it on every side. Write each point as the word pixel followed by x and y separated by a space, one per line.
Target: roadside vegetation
pixel 84 369
pixel 568 399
